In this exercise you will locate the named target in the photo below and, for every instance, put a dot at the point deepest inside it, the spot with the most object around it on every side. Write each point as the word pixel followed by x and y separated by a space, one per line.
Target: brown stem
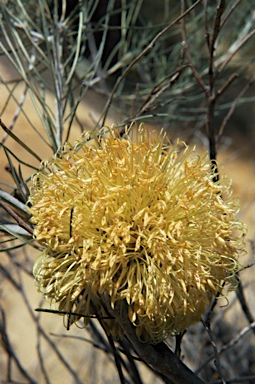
pixel 159 356
pixel 233 107
pixel 207 33
pixel 239 46
pixel 216 353
pixel 143 53
pixel 157 90
pixel 217 25
pixel 226 85
pixel 18 219
pixel 211 136
pixel 226 17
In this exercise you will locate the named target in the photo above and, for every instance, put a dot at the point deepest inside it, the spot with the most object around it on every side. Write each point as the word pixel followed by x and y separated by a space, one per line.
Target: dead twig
pixel 229 345
pixel 233 107
pixel 17 218
pixel 10 351
pixel 159 356
pixel 139 57
pixel 217 363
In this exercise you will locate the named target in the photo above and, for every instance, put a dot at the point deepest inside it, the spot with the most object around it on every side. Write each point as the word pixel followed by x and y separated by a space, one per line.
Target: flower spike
pixel 140 221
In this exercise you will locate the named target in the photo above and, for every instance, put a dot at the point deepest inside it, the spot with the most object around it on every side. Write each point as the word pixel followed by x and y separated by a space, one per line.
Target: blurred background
pixel 72 66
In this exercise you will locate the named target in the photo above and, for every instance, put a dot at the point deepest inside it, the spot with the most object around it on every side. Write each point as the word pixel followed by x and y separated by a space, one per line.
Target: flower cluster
pixel 139 221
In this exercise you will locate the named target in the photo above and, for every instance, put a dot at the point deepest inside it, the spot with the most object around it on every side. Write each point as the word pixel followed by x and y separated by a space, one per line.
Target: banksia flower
pixel 139 221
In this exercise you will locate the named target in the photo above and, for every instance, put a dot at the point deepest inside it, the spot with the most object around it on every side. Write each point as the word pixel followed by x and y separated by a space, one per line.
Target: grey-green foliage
pixel 72 45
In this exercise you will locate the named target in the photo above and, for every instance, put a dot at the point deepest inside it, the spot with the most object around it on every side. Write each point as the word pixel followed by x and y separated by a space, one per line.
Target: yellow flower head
pixel 138 221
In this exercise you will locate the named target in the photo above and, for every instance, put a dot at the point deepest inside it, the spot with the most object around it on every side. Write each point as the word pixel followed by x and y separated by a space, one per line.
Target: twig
pixel 207 33
pixel 143 53
pixel 192 66
pixel 211 98
pixel 178 340
pixel 233 107
pixel 243 302
pixel 236 339
pixel 118 360
pixel 229 345
pixel 96 334
pixel 157 90
pixel 209 91
pixel 232 54
pixel 226 85
pixel 247 266
pixel 187 53
pixel 18 219
pixel 40 356
pixel 226 17
pixel 41 331
pixel 207 326
pixel 159 356
pixel 70 313
pixel 19 265
pixel 216 30
pixel 7 346
pixel 133 371
pixel 237 380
